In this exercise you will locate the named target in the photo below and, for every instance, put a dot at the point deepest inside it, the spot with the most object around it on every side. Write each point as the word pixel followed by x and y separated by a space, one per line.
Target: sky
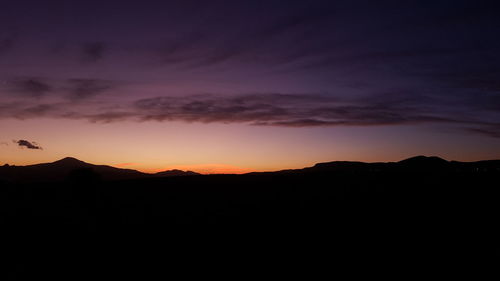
pixel 239 86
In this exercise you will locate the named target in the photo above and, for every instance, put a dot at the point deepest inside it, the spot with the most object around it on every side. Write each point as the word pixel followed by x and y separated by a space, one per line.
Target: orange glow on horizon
pixel 125 164
pixel 228 148
pixel 205 169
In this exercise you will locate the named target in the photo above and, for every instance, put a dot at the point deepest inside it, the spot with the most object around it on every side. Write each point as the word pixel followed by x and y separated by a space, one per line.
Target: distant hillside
pixel 176 173
pixel 67 168
pixel 415 164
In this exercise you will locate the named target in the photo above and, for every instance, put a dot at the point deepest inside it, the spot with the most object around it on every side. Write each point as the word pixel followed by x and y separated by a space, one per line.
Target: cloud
pixel 27 110
pixel 332 35
pixel 93 51
pixel 285 110
pixel 27 144
pixel 86 88
pixel 396 107
pixel 249 47
pixel 271 109
pixel 243 40
pixel 75 90
pixel 31 87
pixel 489 130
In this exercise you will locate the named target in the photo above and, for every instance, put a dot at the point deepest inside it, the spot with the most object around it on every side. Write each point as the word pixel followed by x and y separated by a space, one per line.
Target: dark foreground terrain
pixel 418 214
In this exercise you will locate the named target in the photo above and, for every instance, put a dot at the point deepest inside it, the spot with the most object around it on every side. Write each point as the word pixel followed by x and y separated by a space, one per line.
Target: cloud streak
pixel 265 109
pixel 80 89
pixel 73 89
pixel 488 130
pixel 280 110
pixel 30 87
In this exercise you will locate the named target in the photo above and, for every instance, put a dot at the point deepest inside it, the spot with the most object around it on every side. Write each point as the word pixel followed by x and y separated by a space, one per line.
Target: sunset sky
pixel 239 86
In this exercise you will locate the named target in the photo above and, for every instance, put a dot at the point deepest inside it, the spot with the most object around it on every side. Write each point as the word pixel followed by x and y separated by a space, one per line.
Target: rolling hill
pixel 71 167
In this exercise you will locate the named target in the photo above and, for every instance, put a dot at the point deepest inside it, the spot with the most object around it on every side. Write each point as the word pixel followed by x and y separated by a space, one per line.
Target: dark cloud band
pixel 271 109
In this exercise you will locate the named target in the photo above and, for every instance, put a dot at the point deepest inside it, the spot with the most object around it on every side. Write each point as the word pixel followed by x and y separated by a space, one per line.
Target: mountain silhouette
pixel 176 173
pixel 413 164
pixel 65 168
pixel 70 161
pixel 424 162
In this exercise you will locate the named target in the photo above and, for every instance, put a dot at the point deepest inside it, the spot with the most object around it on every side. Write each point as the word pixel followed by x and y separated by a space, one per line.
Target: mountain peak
pixel 421 159
pixel 69 160
pixel 176 172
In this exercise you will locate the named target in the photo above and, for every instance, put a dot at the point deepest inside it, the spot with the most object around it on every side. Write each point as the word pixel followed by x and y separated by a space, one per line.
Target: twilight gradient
pixel 237 86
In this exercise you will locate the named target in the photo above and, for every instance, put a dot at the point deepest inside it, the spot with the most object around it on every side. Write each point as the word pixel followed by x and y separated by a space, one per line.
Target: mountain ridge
pixel 64 169
pixel 417 163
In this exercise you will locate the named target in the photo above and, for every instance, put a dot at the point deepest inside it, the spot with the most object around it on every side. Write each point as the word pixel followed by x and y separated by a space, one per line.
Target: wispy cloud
pixel 272 109
pixel 283 110
pixel 80 89
pixel 30 87
pixel 73 89
pixel 492 130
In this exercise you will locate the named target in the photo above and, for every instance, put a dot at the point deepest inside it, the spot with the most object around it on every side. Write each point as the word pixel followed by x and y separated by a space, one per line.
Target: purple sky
pixel 430 67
